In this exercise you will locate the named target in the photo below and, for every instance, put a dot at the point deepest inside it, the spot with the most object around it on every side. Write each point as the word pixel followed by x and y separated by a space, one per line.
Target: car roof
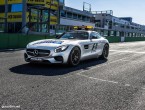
pixel 89 31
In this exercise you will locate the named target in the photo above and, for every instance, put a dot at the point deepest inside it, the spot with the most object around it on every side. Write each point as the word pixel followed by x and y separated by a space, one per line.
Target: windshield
pixel 75 35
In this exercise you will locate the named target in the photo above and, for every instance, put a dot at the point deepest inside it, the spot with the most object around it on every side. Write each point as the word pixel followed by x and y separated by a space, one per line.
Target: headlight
pixel 61 48
pixel 28 46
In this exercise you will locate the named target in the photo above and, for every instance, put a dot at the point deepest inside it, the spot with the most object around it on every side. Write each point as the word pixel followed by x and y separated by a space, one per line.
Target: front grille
pixel 38 52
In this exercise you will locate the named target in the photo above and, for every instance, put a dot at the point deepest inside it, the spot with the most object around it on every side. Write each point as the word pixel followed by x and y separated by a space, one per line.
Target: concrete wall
pixel 64 21
pixel 15 41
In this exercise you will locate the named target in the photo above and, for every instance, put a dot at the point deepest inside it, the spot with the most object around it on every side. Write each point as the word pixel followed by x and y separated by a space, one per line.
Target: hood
pixel 48 43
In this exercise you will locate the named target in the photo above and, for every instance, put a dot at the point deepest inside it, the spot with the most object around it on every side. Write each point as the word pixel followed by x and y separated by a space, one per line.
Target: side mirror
pixel 57 36
pixel 91 38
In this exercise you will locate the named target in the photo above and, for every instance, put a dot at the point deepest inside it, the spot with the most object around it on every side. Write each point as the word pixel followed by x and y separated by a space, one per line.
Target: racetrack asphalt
pixel 115 84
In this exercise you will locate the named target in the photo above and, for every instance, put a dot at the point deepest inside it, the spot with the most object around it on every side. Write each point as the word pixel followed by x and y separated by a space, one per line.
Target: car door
pixel 96 47
pixel 86 45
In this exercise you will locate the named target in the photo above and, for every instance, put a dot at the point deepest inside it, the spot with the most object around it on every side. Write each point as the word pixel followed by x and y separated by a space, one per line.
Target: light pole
pixel 24 8
pixel 49 18
pixel 6 15
pixel 84 6
pixel 58 13
pixel 58 17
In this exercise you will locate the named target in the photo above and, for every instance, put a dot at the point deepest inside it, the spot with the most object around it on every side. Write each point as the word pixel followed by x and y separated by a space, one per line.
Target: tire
pixel 105 52
pixel 74 57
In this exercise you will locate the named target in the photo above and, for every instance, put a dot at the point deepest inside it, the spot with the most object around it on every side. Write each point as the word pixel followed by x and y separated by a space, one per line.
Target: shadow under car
pixel 53 70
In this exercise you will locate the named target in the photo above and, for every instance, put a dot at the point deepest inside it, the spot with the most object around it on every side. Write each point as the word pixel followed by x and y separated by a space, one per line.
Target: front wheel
pixel 105 52
pixel 74 57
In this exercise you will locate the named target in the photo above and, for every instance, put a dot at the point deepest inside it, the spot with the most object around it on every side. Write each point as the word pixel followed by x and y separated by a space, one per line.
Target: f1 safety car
pixel 70 47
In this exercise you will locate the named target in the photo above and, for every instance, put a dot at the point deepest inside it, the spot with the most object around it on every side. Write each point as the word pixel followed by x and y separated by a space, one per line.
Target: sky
pixel 121 8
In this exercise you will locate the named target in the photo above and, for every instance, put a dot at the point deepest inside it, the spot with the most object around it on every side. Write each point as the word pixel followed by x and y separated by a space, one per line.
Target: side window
pixel 94 35
pixel 98 35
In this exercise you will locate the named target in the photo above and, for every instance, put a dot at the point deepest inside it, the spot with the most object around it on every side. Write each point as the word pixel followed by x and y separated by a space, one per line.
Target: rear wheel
pixel 105 52
pixel 74 57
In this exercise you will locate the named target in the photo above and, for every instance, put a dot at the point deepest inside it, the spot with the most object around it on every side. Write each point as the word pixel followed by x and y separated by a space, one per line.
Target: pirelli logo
pixel 42 2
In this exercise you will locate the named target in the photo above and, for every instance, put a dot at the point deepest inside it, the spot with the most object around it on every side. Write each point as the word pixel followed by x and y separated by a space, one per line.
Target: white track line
pixel 126 51
pixel 103 80
pixel 99 79
pixel 79 73
pixel 143 88
pixel 113 82
pixel 137 62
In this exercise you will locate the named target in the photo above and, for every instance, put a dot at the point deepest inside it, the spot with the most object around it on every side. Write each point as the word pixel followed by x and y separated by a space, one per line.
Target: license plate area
pixel 37 59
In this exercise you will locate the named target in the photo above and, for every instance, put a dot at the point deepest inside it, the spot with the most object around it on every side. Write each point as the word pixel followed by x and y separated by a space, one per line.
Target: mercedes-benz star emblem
pixel 35 52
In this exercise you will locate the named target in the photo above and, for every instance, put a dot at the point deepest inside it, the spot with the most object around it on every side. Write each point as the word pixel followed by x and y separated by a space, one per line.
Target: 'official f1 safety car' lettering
pixel 49 41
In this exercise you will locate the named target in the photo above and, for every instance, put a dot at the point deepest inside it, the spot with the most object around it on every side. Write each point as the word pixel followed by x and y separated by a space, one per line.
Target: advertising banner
pixel 2 2
pixel 17 17
pixel 13 17
pixel 53 4
pixel 53 20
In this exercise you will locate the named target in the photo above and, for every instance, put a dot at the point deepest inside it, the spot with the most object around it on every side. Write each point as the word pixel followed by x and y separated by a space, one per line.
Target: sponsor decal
pixel 49 41
pixel 95 45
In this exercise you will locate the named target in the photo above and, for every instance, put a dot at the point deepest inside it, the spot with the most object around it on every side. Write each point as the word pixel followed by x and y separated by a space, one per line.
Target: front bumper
pixel 61 57
pixel 56 59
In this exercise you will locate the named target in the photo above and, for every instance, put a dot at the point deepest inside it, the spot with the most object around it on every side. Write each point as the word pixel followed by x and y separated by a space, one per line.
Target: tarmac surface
pixel 115 84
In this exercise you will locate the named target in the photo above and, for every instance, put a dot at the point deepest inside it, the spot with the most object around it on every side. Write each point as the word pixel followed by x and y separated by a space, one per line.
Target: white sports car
pixel 70 48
